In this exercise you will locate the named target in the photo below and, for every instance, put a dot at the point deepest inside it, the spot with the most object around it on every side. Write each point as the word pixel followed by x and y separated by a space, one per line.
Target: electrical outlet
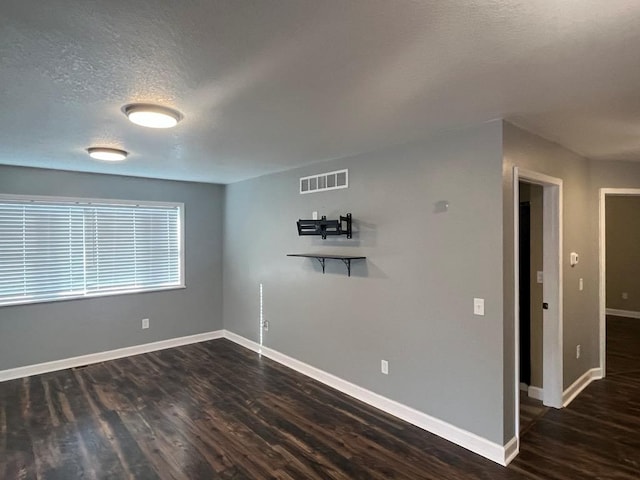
pixel 577 351
pixel 145 323
pixel 384 367
pixel 314 215
pixel 265 325
pixel 625 296
pixel 540 276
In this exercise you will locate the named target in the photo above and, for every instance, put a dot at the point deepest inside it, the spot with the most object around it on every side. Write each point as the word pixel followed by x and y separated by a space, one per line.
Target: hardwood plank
pixel 598 435
pixel 20 462
pixel 217 411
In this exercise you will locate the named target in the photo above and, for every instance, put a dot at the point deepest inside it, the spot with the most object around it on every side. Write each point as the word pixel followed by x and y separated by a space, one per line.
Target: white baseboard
pixel 580 384
pixel 623 313
pixel 82 360
pixel 511 450
pixel 242 341
pixel 501 454
pixel 535 392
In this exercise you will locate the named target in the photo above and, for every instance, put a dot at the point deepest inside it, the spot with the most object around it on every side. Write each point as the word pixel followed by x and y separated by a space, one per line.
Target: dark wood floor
pixel 598 434
pixel 531 410
pixel 215 410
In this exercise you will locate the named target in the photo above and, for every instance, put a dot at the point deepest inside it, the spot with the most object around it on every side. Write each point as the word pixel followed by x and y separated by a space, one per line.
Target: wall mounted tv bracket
pixel 325 228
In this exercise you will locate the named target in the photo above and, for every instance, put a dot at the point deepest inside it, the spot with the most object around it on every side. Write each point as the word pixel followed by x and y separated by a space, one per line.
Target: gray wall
pixel 609 174
pixel 612 174
pixel 580 308
pixel 531 152
pixel 31 334
pixel 582 180
pixel 411 302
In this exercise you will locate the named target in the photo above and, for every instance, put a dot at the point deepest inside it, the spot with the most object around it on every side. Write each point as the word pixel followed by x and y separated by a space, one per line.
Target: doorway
pixel 618 304
pixel 531 299
pixel 551 305
pixel 525 286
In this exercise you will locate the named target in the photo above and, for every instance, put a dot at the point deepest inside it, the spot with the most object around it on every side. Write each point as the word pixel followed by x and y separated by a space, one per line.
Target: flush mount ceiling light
pixel 107 154
pixel 152 116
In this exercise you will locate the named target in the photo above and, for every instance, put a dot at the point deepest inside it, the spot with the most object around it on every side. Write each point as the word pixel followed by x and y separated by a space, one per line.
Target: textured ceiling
pixel 267 85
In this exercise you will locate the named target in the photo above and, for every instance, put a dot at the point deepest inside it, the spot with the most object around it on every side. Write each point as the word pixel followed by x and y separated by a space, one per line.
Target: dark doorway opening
pixel 525 292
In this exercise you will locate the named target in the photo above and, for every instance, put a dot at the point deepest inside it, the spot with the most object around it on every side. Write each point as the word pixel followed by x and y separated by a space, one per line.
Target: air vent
pixel 325 181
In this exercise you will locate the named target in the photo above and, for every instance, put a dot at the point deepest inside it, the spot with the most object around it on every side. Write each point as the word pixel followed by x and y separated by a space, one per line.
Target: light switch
pixel 540 277
pixel 581 284
pixel 314 216
pixel 384 367
pixel 478 306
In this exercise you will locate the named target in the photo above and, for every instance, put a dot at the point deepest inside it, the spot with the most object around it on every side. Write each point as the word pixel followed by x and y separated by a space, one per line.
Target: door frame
pixel 602 260
pixel 552 287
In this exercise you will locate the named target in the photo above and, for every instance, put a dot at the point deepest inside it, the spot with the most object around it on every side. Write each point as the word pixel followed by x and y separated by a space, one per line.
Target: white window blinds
pixel 60 250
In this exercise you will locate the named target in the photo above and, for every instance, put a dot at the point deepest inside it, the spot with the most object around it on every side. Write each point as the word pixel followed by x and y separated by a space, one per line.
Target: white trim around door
pixel 552 390
pixel 602 260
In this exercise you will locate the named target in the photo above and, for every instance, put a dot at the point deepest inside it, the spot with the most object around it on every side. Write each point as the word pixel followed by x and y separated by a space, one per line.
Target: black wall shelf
pixel 321 257
pixel 324 227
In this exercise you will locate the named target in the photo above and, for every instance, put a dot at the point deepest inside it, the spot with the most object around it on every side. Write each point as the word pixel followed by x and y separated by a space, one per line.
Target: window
pixel 57 249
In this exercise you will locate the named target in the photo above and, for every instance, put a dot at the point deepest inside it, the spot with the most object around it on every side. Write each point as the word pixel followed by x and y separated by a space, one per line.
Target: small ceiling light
pixel 152 116
pixel 107 154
